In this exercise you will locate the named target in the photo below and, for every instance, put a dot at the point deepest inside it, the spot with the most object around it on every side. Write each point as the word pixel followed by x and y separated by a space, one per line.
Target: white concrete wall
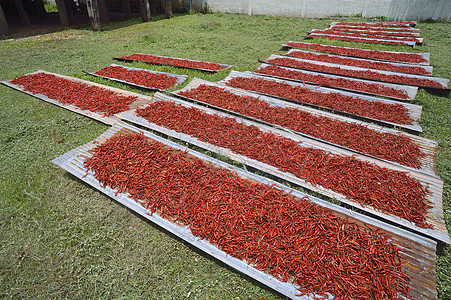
pixel 392 9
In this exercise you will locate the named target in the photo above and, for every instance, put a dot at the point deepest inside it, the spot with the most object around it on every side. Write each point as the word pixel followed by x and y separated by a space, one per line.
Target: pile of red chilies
pixel 287 237
pixel 387 146
pixel 362 53
pixel 367 74
pixel 395 113
pixel 366 87
pixel 355 39
pixel 143 78
pixel 178 62
pixel 400 25
pixel 86 97
pixel 375 31
pixel 378 65
pixel 367 35
pixel 386 190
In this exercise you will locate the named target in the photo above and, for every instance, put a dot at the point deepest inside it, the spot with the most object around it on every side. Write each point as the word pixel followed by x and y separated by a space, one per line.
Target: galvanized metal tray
pixel 429 147
pixel 417 252
pixel 413 110
pixel 410 90
pixel 373 31
pixel 368 36
pixel 389 63
pixel 361 39
pixel 180 78
pixel 224 66
pixel 93 115
pixel 425 56
pixel 442 81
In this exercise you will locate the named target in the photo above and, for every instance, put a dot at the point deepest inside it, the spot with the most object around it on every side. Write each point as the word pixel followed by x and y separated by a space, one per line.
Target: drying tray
pixel 413 110
pixel 180 78
pixel 363 40
pixel 224 66
pixel 417 252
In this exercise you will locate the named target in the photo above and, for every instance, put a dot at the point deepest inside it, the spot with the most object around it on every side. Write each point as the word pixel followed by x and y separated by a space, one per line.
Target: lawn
pixel 62 239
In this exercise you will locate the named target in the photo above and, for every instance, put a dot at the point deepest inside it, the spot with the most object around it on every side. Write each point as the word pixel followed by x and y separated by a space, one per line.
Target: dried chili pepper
pixel 395 113
pixel 372 88
pixel 378 65
pixel 356 39
pixel 404 33
pixel 287 237
pixel 179 62
pixel 362 53
pixel 66 91
pixel 366 74
pixel 368 35
pixel 386 190
pixel 139 77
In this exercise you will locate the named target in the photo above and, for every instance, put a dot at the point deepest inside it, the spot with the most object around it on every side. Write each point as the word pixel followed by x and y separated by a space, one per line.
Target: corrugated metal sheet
pixel 417 253
pixel 413 110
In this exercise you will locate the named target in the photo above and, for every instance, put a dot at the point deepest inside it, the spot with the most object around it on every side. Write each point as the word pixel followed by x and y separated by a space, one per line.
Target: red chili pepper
pixel 84 96
pixel 179 62
pixel 139 77
pixel 378 65
pixel 362 53
pixel 287 237
pixel 387 146
pixel 372 30
pixel 367 35
pixel 395 113
pixel 355 39
pixel 366 74
pixel 373 88
pixel 386 190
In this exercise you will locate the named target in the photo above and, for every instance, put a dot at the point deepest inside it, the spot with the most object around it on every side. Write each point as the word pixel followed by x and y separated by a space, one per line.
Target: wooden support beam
pixel 146 16
pixel 94 14
pixel 4 28
pixel 168 9
pixel 39 5
pixel 63 13
pixel 125 7
pixel 22 13
pixel 103 11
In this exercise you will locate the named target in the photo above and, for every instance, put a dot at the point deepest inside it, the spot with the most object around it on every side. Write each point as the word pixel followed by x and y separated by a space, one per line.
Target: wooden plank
pixel 358 39
pixel 410 90
pixel 180 78
pixel 414 111
pixel 434 184
pixel 425 56
pixel 442 81
pixel 417 253
pixel 93 115
pixel 389 63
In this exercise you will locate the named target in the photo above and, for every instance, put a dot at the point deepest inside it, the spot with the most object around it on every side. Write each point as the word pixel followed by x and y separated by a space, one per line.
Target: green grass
pixel 62 239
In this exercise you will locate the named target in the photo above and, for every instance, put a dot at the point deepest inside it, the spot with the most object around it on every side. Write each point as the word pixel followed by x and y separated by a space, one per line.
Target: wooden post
pixel 145 11
pixel 94 15
pixel 103 11
pixel 39 7
pixel 125 7
pixel 168 9
pixel 4 28
pixel 22 13
pixel 153 7
pixel 62 12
